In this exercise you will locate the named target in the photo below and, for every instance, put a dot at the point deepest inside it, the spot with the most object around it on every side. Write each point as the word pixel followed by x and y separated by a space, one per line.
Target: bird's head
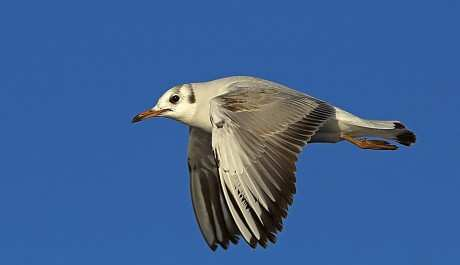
pixel 177 103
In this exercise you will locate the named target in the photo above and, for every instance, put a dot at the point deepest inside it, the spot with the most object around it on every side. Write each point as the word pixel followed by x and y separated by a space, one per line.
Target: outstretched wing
pixel 211 211
pixel 259 128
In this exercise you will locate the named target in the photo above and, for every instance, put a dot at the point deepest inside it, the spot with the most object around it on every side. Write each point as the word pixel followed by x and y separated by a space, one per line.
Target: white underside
pixel 345 123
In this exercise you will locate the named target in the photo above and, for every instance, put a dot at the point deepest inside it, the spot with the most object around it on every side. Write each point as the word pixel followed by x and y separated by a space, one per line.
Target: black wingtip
pixel 213 247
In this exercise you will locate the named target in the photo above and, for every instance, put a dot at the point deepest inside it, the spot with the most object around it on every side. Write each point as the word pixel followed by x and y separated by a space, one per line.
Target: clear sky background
pixel 80 184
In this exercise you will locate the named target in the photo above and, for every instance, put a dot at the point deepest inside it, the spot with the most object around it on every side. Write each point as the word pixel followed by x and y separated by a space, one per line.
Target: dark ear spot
pixel 191 97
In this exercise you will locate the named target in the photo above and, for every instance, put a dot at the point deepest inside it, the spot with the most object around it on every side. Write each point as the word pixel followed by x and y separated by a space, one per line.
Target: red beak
pixel 148 114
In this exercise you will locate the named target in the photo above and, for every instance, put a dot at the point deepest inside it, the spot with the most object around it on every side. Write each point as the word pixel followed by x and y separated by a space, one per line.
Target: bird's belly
pixel 328 133
pixel 342 123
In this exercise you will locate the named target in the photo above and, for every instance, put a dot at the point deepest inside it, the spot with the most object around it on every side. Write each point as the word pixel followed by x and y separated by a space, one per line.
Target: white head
pixel 178 103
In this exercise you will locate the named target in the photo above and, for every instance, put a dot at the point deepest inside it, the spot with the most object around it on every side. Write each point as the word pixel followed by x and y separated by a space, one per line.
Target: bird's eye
pixel 174 99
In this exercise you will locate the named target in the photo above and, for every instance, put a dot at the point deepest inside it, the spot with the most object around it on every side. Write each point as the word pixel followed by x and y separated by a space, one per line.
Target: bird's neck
pixel 204 92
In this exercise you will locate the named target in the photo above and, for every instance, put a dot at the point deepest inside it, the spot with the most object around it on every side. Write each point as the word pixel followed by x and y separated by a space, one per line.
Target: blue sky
pixel 80 184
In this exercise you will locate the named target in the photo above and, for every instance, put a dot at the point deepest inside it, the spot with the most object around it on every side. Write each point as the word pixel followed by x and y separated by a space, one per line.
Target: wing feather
pixel 259 128
pixel 211 209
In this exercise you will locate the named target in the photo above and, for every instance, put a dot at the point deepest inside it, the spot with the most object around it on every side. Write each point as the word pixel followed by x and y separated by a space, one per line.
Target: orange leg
pixel 370 144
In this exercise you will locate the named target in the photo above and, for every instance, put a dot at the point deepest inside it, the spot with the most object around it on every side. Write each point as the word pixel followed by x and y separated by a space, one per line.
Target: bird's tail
pixel 390 130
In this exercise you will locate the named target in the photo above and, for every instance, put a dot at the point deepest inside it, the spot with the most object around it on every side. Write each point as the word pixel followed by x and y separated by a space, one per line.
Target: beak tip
pixel 136 118
pixel 148 114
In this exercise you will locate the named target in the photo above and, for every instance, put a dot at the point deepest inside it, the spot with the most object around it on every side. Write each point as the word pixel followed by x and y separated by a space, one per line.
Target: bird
pixel 245 135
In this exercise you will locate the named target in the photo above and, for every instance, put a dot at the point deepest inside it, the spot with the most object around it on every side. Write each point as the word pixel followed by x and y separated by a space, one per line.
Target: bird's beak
pixel 148 114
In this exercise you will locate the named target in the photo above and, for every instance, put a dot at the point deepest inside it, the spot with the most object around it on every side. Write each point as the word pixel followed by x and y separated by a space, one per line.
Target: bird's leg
pixel 364 143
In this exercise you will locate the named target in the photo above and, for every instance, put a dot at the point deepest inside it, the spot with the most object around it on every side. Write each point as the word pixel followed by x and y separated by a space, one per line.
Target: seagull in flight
pixel 244 139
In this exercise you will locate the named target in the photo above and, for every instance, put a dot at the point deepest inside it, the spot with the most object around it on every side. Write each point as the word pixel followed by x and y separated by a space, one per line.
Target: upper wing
pixel 211 211
pixel 259 128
